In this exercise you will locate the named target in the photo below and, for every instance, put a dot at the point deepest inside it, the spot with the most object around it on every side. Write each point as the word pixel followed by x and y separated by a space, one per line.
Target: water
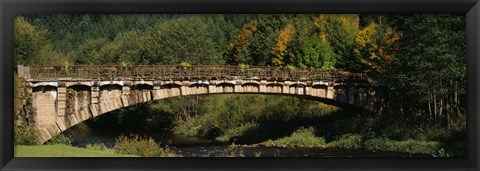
pixel 198 147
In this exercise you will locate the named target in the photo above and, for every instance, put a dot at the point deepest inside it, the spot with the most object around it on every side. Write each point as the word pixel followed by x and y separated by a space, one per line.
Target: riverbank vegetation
pixel 141 146
pixel 417 64
pixel 125 146
pixel 60 150
pixel 259 120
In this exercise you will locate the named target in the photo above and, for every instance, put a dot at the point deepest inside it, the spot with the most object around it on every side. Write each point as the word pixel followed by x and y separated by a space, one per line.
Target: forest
pixel 417 61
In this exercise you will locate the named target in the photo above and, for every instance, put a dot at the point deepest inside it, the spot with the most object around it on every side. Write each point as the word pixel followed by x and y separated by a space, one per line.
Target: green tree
pixel 375 46
pixel 31 45
pixel 429 70
pixel 282 42
pixel 90 52
pixel 131 47
pixel 316 53
pixel 264 39
pixel 340 31
pixel 184 39
pixel 235 50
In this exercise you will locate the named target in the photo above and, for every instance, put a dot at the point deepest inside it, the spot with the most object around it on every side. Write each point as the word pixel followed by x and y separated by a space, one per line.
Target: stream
pixel 185 146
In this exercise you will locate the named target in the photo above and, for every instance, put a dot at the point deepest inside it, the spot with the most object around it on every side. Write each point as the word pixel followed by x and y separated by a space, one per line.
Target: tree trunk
pixel 429 106
pixel 440 111
pixel 435 109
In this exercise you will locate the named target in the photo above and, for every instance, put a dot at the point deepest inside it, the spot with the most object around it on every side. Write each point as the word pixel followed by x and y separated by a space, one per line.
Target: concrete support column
pixel 263 86
pixel 285 89
pixel 125 95
pixel 95 100
pixel 95 95
pixel 211 89
pixel 300 89
pixel 350 95
pixel 157 93
pixel 126 90
pixel 184 90
pixel 307 91
pixel 330 92
pixel 61 100
pixel 238 87
pixel 61 110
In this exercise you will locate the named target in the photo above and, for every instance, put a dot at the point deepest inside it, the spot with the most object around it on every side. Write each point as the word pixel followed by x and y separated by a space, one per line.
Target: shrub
pixel 348 141
pixel 302 137
pixel 243 67
pixel 184 65
pixel 190 128
pixel 59 139
pixel 385 144
pixel 25 135
pixel 142 146
pixel 99 147
pixel 441 153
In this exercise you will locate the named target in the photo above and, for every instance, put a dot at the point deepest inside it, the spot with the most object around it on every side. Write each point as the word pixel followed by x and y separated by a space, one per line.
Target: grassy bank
pixel 305 137
pixel 60 150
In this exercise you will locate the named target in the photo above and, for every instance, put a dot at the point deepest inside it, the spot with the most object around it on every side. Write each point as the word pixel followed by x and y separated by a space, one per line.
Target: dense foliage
pixel 25 135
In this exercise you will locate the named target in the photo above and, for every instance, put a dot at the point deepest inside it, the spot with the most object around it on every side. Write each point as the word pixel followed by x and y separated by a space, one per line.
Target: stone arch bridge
pixel 63 96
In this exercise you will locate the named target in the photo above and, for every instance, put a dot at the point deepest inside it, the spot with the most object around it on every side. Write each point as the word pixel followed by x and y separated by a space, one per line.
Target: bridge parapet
pixel 173 72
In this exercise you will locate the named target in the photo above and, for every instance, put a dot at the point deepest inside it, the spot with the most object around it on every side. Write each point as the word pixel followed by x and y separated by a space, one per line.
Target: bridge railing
pixel 174 72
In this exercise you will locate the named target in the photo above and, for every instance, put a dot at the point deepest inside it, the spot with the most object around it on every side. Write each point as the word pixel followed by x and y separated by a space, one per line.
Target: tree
pixel 32 45
pixel 340 31
pixel 131 47
pixel 259 50
pixel 283 40
pixel 375 46
pixel 429 69
pixel 316 53
pixel 183 39
pixel 90 52
pixel 234 51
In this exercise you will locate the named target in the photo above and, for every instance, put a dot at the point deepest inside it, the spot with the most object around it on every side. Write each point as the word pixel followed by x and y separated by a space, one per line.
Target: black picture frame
pixel 10 8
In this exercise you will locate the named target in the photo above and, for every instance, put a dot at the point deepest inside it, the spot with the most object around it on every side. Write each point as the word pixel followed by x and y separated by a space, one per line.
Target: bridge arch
pixel 86 84
pixel 297 88
pixel 141 87
pixel 39 84
pixel 324 100
pixel 44 88
pixel 250 87
pixel 197 88
pixel 224 87
pixel 110 87
pixel 275 87
pixel 170 90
